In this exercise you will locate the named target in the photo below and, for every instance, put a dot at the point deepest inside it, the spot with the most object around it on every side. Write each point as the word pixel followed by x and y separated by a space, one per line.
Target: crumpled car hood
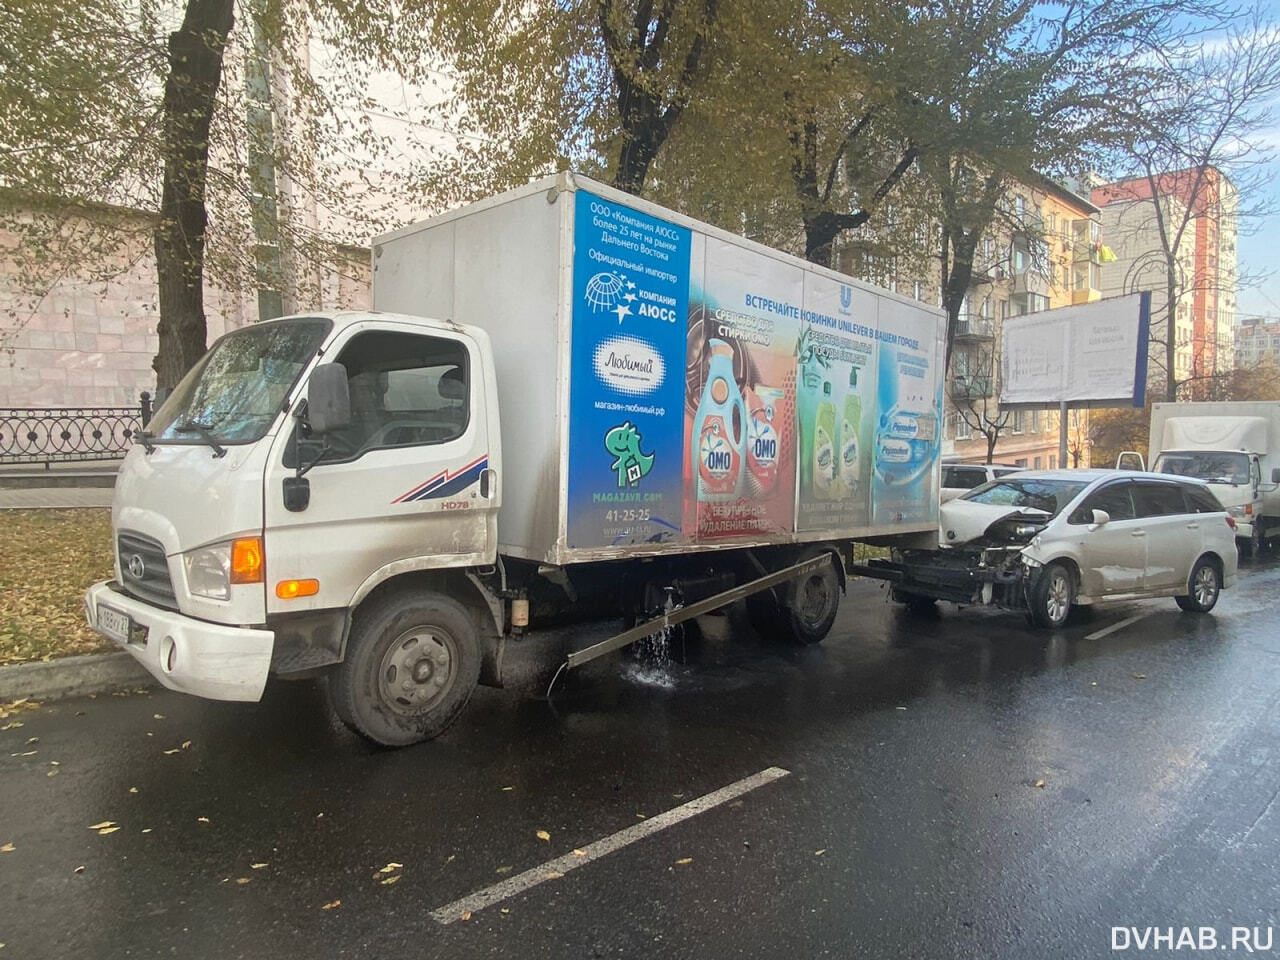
pixel 960 521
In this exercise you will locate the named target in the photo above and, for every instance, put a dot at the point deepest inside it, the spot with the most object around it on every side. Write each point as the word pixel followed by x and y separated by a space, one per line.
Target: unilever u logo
pixel 846 295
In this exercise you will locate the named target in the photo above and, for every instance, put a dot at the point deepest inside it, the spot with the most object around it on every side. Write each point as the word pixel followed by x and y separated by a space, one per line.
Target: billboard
pixel 1092 354
pixel 718 392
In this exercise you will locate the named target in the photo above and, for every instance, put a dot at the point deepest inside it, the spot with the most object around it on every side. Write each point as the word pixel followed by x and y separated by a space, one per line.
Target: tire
pixel 1253 546
pixel 1203 587
pixel 810 604
pixel 764 614
pixel 914 602
pixel 1052 595
pixel 412 663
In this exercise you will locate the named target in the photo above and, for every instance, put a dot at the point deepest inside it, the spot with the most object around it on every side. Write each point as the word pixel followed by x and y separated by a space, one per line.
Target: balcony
pixel 970 388
pixel 972 326
pixel 1031 280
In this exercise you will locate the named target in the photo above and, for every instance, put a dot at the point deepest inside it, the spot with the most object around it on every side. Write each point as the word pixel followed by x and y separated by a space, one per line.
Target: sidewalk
pixel 62 486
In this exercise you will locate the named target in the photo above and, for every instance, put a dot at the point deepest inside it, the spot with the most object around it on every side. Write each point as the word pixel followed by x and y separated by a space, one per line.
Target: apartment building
pixel 1204 266
pixel 1044 252
pixel 1257 342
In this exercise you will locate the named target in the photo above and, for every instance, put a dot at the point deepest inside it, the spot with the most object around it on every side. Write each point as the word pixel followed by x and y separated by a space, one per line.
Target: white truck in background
pixel 1234 445
pixel 568 401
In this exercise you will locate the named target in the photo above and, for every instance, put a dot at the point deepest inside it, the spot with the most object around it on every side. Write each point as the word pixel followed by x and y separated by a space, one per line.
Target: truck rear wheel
pixel 412 663
pixel 809 604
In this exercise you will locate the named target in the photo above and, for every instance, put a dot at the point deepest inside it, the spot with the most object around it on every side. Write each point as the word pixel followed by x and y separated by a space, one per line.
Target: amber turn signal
pixel 289 589
pixel 246 560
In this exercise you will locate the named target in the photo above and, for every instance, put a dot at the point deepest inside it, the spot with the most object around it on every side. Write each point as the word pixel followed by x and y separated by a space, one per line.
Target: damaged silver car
pixel 1044 541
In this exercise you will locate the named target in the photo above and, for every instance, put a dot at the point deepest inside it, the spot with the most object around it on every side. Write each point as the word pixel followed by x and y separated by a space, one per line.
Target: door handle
pixel 1139 533
pixel 1193 526
pixel 487 478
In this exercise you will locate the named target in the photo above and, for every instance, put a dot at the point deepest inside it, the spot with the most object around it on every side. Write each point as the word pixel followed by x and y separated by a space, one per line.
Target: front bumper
pixel 208 660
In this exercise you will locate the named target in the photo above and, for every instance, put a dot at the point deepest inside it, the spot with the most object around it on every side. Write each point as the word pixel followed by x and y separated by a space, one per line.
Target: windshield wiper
pixel 145 437
pixel 206 434
pixel 1220 480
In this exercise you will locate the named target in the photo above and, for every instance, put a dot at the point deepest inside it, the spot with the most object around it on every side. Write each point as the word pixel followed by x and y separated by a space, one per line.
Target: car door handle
pixel 1139 533
pixel 1193 526
pixel 487 478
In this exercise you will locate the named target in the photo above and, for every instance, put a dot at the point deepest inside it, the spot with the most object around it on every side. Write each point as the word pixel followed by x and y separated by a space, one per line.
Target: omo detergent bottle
pixel 764 446
pixel 825 484
pixel 719 430
pixel 850 441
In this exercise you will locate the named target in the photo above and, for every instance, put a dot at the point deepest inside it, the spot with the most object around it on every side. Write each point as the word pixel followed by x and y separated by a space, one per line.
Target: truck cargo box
pixel 665 386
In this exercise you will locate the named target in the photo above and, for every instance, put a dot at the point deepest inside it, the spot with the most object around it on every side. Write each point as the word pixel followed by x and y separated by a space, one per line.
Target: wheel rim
pixel 418 670
pixel 1206 585
pixel 1058 597
pixel 813 599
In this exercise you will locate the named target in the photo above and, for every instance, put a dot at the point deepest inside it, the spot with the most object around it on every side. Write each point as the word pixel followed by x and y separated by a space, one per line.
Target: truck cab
pixel 299 469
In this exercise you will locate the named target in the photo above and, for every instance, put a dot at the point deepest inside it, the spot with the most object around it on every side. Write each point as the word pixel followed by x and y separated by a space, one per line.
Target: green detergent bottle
pixel 850 437
pixel 825 484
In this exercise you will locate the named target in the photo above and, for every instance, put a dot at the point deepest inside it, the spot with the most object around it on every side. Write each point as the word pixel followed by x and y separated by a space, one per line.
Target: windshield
pixel 1211 465
pixel 1047 495
pixel 235 392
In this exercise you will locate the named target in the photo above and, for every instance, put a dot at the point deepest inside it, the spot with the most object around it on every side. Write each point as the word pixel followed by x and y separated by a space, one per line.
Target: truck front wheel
pixel 412 663
pixel 810 604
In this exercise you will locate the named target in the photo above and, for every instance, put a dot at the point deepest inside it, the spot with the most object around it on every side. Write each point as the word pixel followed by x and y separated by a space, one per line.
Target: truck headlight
pixel 209 571
pixel 1241 512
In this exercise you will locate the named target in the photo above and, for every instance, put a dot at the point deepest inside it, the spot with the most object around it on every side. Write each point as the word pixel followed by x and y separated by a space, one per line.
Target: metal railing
pixel 49 435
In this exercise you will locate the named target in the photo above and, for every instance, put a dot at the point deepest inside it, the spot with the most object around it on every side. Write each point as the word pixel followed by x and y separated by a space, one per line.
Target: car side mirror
pixel 328 399
pixel 1101 517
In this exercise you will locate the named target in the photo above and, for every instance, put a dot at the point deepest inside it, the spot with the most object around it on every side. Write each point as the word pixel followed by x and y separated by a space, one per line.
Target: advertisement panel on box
pixel 719 393
pixel 626 428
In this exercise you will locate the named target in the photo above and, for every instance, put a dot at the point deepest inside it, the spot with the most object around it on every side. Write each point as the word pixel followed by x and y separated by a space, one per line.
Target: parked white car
pixel 1046 540
pixel 958 478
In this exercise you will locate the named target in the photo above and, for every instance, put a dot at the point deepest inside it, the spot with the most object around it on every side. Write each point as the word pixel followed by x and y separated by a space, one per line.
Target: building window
pixel 1035 422
pixel 963 430
pixel 1053 462
pixel 1020 462
pixel 1017 421
pixel 1035 464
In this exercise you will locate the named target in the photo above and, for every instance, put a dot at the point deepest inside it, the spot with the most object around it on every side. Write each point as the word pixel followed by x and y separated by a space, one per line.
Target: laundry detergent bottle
pixel 850 436
pixel 763 441
pixel 825 484
pixel 720 431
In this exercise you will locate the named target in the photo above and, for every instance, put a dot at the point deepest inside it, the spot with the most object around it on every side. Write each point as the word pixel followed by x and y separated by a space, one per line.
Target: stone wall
pixel 80 330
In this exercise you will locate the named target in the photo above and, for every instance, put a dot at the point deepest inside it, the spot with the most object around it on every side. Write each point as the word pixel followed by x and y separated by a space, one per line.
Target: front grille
pixel 145 555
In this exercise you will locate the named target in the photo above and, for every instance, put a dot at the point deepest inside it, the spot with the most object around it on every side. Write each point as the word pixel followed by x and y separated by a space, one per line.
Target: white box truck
pixel 567 399
pixel 1235 446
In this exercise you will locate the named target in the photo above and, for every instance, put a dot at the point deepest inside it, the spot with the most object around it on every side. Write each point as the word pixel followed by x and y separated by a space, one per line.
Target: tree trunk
pixel 190 94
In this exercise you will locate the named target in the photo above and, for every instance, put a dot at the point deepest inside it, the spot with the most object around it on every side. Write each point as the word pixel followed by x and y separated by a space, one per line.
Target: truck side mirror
pixel 328 399
pixel 1275 474
pixel 1130 460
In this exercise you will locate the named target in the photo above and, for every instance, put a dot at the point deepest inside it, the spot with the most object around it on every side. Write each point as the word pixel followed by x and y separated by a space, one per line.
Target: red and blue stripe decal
pixel 445 484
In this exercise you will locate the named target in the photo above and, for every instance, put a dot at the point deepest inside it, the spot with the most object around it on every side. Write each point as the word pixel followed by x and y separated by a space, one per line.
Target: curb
pixel 73 677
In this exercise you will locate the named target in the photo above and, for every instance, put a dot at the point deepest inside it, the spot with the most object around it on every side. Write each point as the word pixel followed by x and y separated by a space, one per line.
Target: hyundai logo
pixel 136 567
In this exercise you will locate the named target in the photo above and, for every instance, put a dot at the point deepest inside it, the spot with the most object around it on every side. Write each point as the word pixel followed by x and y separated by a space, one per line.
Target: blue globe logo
pixel 603 291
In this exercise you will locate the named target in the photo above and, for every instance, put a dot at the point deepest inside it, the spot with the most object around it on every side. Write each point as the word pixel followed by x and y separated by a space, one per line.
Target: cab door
pixel 409 485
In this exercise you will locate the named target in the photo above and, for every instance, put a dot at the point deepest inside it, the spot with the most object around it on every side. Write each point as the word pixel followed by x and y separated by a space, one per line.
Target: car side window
pixel 1158 499
pixel 406 390
pixel 1201 501
pixel 966 477
pixel 1115 498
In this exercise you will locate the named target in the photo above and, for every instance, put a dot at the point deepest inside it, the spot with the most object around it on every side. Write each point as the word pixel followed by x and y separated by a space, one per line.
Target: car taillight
pixel 1231 523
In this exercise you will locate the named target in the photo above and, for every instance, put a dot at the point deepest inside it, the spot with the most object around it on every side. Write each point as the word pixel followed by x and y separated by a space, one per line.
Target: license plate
pixel 114 624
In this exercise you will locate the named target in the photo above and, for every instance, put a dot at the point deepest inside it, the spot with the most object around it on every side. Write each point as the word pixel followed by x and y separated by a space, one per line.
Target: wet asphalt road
pixel 910 824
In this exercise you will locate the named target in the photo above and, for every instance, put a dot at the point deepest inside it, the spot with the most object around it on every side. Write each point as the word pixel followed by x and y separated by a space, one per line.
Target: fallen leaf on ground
pixel 818 853
pixel 505 869
pixel 1040 784
pixel 683 860
pixel 146 829
pixel 79 869
pixel 256 866
pixel 579 853
pixel 331 904
pixel 242 880
pixel 33 739
pixel 543 835
pixel 319 816
pixel 186 744
pixel 640 816
pixel 390 880
pixel 452 857
pixel 104 823
pixel 553 875
pixel 106 830
pixel 505 789
pixel 899 708
pixel 1139 676
pixel 12 725
pixel 505 910
pixel 133 789
pixel 7 848
pixel 54 763
pixel 390 867
pixel 202 819
pixel 170 753
pixel 158 716
pixel 52 773
pixel 29 753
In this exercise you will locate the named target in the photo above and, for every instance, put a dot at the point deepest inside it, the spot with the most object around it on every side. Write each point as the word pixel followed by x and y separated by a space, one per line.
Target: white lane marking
pixel 1116 626
pixel 555 869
